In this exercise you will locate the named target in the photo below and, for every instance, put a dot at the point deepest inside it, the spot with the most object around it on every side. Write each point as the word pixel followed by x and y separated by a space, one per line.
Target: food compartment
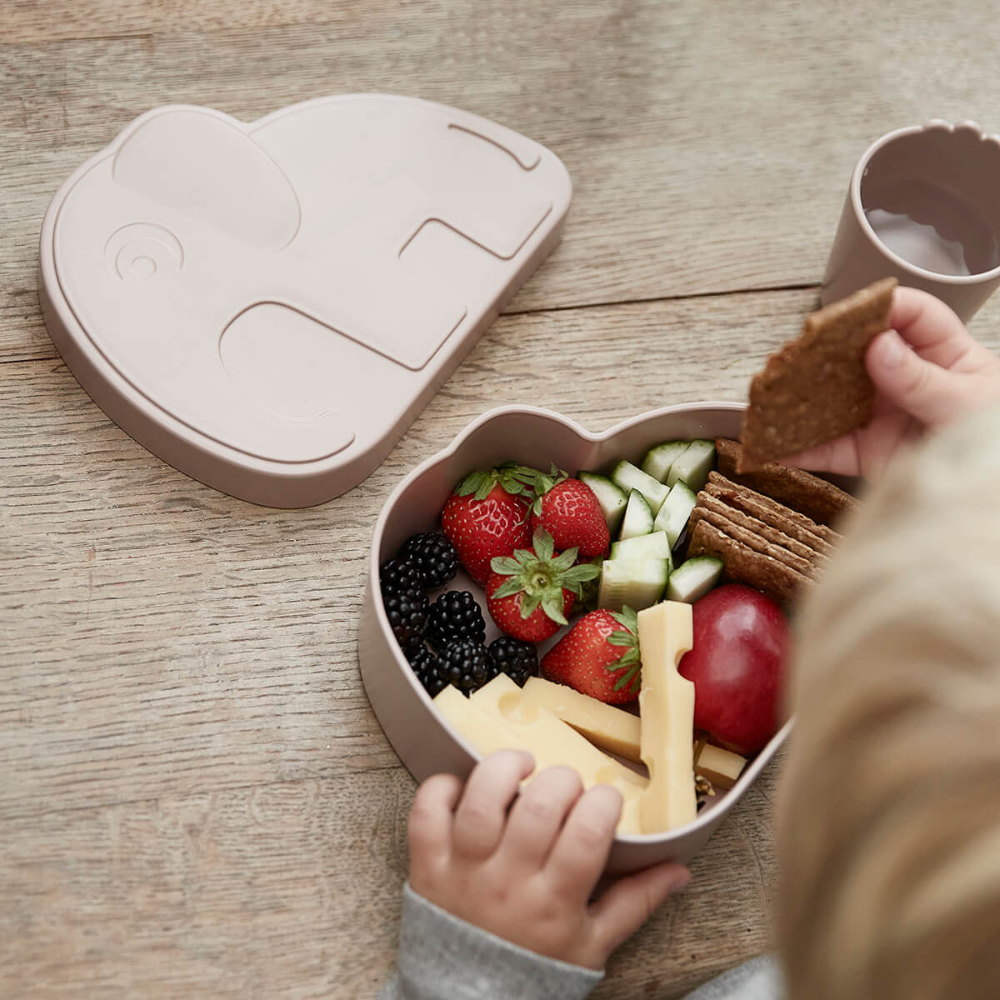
pixel 424 740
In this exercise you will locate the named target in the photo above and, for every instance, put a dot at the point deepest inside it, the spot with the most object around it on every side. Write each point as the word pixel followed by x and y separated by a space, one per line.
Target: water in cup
pixel 933 228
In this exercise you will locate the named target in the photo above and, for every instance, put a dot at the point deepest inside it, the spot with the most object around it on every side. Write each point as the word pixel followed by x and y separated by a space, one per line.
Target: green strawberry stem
pixel 629 661
pixel 517 480
pixel 591 588
pixel 543 483
pixel 540 577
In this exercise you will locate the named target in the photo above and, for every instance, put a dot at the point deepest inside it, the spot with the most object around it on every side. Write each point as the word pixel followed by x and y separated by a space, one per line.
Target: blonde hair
pixel 889 819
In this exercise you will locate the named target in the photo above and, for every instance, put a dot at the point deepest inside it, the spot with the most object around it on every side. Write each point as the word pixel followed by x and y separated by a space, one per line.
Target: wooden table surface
pixel 195 797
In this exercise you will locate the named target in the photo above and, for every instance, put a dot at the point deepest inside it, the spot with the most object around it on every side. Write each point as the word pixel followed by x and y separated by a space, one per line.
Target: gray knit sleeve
pixel 758 979
pixel 444 958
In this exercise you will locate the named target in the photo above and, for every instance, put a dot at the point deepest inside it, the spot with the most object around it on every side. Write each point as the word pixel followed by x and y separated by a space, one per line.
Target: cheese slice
pixel 721 767
pixel 611 728
pixel 629 823
pixel 482 730
pixel 619 732
pixel 666 709
pixel 487 732
pixel 560 743
pixel 555 743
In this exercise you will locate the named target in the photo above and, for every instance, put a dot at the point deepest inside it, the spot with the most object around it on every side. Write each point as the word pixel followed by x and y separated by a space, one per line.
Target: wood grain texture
pixel 171 633
pixel 284 890
pixel 176 660
pixel 292 890
pixel 29 21
pixel 195 797
pixel 710 147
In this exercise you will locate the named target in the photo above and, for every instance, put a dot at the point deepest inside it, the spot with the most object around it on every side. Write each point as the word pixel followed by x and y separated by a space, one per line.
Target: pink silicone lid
pixel 268 306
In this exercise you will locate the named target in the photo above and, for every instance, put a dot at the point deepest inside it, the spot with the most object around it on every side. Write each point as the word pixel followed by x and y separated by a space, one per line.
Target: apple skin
pixel 740 641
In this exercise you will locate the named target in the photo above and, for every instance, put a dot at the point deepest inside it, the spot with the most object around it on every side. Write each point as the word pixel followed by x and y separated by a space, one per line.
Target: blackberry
pixel 400 575
pixel 424 664
pixel 433 555
pixel 455 615
pixel 513 657
pixel 465 664
pixel 407 614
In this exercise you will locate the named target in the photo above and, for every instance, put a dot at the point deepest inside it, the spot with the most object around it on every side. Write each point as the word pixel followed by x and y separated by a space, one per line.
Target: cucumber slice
pixel 660 457
pixel 674 513
pixel 639 583
pixel 693 579
pixel 653 546
pixel 629 478
pixel 693 465
pixel 611 498
pixel 638 518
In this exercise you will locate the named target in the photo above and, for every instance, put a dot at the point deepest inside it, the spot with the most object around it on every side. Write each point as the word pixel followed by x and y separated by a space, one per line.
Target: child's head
pixel 890 817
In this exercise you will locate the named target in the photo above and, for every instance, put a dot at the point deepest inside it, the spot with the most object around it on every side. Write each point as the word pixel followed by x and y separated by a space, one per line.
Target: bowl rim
pixel 707 818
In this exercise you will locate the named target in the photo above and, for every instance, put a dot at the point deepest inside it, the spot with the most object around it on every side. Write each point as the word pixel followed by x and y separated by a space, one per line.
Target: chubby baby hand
pixel 526 872
pixel 927 370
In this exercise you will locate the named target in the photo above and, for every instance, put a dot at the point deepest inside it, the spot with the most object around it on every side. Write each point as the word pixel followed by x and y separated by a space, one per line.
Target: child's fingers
pixel 929 326
pixel 838 456
pixel 538 815
pixel 921 388
pixel 862 452
pixel 580 853
pixel 482 809
pixel 630 902
pixel 429 826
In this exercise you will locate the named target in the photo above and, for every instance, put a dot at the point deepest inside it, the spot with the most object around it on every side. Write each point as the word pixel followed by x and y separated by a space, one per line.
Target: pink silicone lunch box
pixel 424 741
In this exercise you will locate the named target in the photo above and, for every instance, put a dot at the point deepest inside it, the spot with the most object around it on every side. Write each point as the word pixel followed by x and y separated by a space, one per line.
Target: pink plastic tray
pixel 268 306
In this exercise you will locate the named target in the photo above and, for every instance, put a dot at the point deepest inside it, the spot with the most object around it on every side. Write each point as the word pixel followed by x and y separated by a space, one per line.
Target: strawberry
pixel 568 510
pixel 487 516
pixel 530 593
pixel 599 656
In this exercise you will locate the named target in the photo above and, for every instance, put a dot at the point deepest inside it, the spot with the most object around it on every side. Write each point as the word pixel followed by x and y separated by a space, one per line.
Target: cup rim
pixel 980 277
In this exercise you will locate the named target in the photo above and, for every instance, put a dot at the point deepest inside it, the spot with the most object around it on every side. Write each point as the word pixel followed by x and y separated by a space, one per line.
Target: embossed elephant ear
pixel 207 167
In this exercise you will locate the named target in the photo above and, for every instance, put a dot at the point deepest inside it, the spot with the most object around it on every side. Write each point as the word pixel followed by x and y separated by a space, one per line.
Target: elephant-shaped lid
pixel 268 306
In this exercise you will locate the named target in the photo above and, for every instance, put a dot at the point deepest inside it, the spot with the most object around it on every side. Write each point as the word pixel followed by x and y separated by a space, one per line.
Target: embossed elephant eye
pixel 143 250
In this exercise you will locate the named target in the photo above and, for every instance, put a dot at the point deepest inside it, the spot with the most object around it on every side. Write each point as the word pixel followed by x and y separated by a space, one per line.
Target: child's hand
pixel 527 875
pixel 928 371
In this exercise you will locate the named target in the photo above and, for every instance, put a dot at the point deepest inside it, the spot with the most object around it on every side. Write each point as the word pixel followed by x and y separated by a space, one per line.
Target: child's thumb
pixel 923 390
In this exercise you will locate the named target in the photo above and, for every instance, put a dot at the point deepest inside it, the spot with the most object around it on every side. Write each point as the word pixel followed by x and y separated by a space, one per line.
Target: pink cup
pixel 923 206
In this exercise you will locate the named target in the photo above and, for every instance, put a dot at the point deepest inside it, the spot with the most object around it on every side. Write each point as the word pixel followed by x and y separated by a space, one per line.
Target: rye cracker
pixel 802 491
pixel 816 388
pixel 749 537
pixel 769 532
pixel 818 537
pixel 744 565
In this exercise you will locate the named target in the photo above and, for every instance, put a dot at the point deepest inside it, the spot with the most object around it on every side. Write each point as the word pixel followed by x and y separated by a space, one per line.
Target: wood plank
pixel 292 890
pixel 199 799
pixel 27 21
pixel 164 639
pixel 710 150
pixel 289 890
pixel 162 635
pixel 203 800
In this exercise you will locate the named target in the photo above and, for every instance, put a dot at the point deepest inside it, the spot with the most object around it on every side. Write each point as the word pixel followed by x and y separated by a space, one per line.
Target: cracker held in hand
pixel 816 388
